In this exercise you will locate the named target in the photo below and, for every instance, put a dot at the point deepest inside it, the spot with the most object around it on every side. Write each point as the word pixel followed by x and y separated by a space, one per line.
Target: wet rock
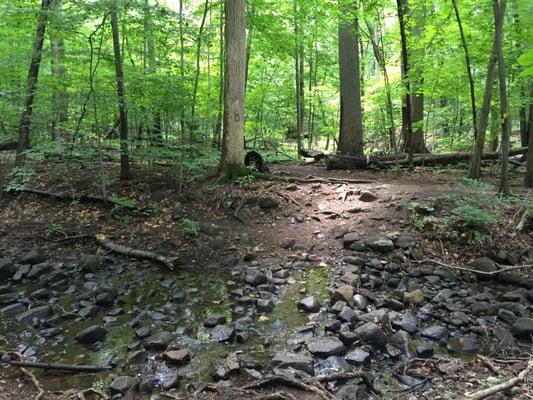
pixel 380 245
pixel 331 365
pixel 351 392
pixel 222 333
pixel 7 269
pixel 325 346
pixel 484 264
pixel 268 203
pixel 8 298
pixel 159 341
pixel 123 384
pixel 348 337
pixel 264 305
pixel 105 299
pixel 177 357
pixel 21 272
pixel 297 361
pixel 506 316
pixel 13 309
pixel 309 304
pixel 523 328
pixel 372 334
pixel 137 357
pixel 214 320
pixel 343 293
pixel 349 238
pixel 415 297
pixel 347 314
pixel 143 332
pixel 358 357
pixel 88 312
pixel 38 313
pixel 169 380
pixel 38 270
pixel 436 332
pixel 360 302
pixel 34 256
pixel 91 335
pixel 368 197
pixel 244 323
pixel 254 277
pixel 424 349
pixel 40 294
pixel 90 263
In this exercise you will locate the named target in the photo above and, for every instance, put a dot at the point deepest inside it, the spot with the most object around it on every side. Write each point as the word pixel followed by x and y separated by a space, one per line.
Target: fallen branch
pixel 289 198
pixel 346 376
pixel 482 394
pixel 310 179
pixel 130 252
pixel 59 367
pixel 40 391
pixel 283 380
pixel 475 271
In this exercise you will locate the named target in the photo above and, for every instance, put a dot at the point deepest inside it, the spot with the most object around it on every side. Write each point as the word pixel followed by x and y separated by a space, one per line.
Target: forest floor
pixel 463 336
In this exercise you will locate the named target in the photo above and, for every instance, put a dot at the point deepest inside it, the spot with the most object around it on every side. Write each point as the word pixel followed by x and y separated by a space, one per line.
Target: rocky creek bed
pixel 370 307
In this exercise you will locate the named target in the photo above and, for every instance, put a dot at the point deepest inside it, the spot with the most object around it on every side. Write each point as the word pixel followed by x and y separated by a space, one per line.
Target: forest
pixel 266 199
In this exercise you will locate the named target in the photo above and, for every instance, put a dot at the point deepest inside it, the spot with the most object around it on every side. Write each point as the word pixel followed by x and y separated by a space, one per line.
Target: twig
pixel 34 380
pixel 475 271
pixel 289 198
pixel 130 252
pixel 59 367
pixel 482 394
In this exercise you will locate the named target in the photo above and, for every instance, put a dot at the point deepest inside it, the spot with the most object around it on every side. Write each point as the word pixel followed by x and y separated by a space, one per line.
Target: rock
pixel 7 269
pixel 523 328
pixel 360 302
pixel 344 293
pixel 297 361
pixel 352 392
pixel 264 305
pixel 358 246
pixel 358 357
pixel 450 368
pixel 90 263
pixel 424 349
pixel 372 334
pixel 268 203
pixel 222 333
pixel 21 272
pixel 105 299
pixel 354 260
pixel 407 322
pixel 309 304
pixel 416 297
pixel 347 314
pixel 506 316
pixel 381 245
pixel 214 320
pixel 143 332
pixel 405 241
pixel 159 341
pixel 484 264
pixel 244 323
pixel 34 256
pixel 331 365
pixel 123 384
pixel 169 381
pixel 394 304
pixel 368 197
pixel 137 357
pixel 325 346
pixel 348 337
pixel 147 385
pixel 350 238
pixel 40 294
pixel 91 335
pixel 436 332
pixel 13 309
pixel 210 229
pixel 177 357
pixel 8 298
pixel 38 270
pixel 87 312
pixel 39 313
pixel 253 276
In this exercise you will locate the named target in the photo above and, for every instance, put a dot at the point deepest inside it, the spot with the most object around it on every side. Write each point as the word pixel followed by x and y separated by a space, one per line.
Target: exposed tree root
pixel 40 391
pixel 289 198
pixel 59 367
pixel 283 380
pixel 130 252
pixel 483 394
pixel 346 376
pixel 475 271
pixel 310 179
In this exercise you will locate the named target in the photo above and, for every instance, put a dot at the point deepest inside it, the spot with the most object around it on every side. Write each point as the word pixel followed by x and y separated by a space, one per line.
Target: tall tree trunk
pixel 468 68
pixel 299 78
pixel 494 128
pixel 125 172
pixel 182 66
pixel 524 136
pixel 31 85
pixel 194 124
pixel 528 180
pixel 479 144
pixel 499 13
pixel 406 106
pixel 249 38
pixel 233 140
pixel 217 134
pixel 150 64
pixel 60 95
pixel 350 124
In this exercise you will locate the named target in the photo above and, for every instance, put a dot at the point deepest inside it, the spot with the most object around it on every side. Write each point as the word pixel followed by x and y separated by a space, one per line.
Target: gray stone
pixel 348 337
pixel 264 305
pixel 210 229
pixel 424 349
pixel 484 264
pixel 368 197
pixel 254 277
pixel 8 298
pixel 360 302
pixel 159 341
pixel 354 260
pixel 325 346
pixel 21 272
pixel 222 333
pixel 13 309
pixel 90 263
pixel 298 361
pixel 405 241
pixel 372 334
pixel 268 203
pixel 347 314
pixel 105 299
pixel 358 246
pixel 381 245
pixel 7 269
pixel 38 270
pixel 523 328
pixel 143 332
pixel 38 313
pixel 123 384
pixel 358 357
pixel 415 297
pixel 331 365
pixel 436 332
pixel 309 304
pixel 91 335
pixel 343 293
pixel 169 381
pixel 350 238
pixel 87 312
pixel 214 320
pixel 137 357
pixel 34 256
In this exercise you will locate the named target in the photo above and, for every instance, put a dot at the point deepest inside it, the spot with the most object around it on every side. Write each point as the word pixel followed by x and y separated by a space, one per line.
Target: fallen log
pixel 8 146
pixel 59 367
pixel 130 252
pixel 316 155
pixel 346 162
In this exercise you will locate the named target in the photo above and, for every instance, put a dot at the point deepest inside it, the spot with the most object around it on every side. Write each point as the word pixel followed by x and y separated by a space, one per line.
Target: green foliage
pixel 53 228
pixel 245 179
pixel 190 228
pixel 471 216
pixel 20 178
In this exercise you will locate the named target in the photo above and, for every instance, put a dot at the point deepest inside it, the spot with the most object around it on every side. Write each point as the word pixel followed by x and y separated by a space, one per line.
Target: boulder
pixel 523 328
pixel 123 384
pixel 159 341
pixel 91 335
pixel 177 357
pixel 255 277
pixel 34 256
pixel 296 361
pixel 7 269
pixel 325 346
pixel 39 313
pixel 343 293
pixel 371 334
pixel 309 304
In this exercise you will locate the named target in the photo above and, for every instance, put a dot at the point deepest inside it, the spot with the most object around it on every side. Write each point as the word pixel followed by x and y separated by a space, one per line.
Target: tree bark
pixel 468 69
pixel 299 78
pixel 31 85
pixel 499 13
pixel 60 94
pixel 233 138
pixel 477 152
pixel 182 65
pixel 528 180
pixel 524 136
pixel 350 124
pixel 217 134
pixel 193 125
pixel 125 172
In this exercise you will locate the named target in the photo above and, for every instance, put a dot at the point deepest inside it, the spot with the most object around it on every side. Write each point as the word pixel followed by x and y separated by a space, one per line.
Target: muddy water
pixel 140 290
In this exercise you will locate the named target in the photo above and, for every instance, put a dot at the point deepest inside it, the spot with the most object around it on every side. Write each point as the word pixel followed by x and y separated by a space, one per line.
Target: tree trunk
pixel 524 134
pixel 468 69
pixel 59 96
pixel 499 13
pixel 528 180
pixel 406 106
pixel 233 138
pixel 299 78
pixel 477 152
pixel 31 85
pixel 193 124
pixel 494 128
pixel 217 134
pixel 350 124
pixel 121 91
pixel 182 66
